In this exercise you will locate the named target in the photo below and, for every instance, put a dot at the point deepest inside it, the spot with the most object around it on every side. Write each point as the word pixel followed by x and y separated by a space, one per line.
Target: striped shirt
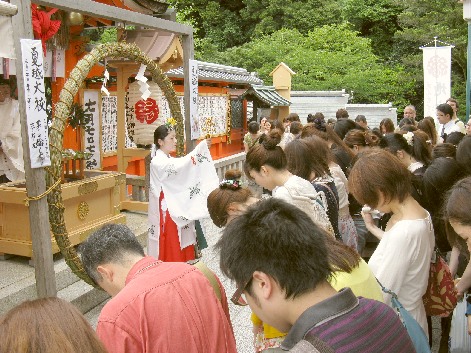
pixel 350 324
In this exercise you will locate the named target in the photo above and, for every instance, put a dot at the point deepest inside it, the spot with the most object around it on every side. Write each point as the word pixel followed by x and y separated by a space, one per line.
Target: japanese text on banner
pixel 91 109
pixel 36 116
pixel 195 131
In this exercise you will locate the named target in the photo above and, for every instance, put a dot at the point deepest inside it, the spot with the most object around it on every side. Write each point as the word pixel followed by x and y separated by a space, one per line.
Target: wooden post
pixel 35 178
pixel 121 82
pixel 188 54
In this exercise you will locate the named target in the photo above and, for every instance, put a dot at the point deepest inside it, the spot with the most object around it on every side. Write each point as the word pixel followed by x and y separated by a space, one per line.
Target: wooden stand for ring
pixel 73 169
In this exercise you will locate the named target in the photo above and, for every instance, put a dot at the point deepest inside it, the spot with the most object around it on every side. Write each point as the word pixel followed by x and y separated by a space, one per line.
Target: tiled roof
pixel 216 72
pixel 268 95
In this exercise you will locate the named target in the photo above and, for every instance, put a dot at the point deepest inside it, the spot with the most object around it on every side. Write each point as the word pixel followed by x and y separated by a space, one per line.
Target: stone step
pixel 23 284
pixel 84 296
pixel 93 314
pixel 17 282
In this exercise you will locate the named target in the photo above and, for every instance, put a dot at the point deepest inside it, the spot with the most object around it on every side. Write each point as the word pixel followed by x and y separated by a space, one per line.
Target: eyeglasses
pixel 239 297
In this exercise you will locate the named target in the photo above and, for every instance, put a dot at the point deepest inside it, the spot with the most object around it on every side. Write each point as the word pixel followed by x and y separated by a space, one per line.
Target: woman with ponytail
pixel 357 140
pixel 266 164
pixel 230 199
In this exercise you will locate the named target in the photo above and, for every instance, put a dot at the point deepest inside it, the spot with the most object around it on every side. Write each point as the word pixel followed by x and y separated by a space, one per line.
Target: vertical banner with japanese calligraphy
pixel 91 109
pixel 195 131
pixel 437 77
pixel 36 116
pixel 109 123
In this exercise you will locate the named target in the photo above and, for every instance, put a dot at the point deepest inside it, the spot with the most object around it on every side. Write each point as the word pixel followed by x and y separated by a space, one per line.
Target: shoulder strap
pixel 385 290
pixel 254 142
pixel 201 266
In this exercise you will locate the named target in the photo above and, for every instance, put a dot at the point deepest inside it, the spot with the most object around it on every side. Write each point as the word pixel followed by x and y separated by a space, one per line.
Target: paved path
pixel 240 315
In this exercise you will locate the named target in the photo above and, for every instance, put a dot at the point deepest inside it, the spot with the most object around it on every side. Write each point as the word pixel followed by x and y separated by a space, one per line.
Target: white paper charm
pixel 105 81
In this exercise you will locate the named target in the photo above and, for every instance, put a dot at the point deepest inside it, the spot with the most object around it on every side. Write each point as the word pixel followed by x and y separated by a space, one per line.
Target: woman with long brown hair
pixel 386 126
pixel 48 325
pixel 342 155
pixel 427 126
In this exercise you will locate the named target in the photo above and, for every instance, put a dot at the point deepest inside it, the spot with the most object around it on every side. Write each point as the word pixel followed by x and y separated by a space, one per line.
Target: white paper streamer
pixel 105 81
pixel 142 79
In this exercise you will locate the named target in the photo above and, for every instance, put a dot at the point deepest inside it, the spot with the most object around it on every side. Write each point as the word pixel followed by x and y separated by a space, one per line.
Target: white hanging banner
pixel 36 116
pixel 91 109
pixel 437 77
pixel 195 131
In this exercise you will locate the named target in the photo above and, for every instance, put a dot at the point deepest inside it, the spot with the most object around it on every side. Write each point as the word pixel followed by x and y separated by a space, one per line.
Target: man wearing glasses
pixel 278 258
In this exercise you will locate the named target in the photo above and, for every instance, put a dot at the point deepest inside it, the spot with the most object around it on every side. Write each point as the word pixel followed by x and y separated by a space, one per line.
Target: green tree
pixel 376 20
pixel 326 58
pixel 420 22
pixel 226 24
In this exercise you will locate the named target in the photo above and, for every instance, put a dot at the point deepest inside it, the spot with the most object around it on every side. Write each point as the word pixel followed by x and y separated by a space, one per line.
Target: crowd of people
pixel 295 254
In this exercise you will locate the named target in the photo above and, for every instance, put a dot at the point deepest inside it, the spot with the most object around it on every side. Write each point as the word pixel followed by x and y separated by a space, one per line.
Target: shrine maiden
pixel 11 149
pixel 177 197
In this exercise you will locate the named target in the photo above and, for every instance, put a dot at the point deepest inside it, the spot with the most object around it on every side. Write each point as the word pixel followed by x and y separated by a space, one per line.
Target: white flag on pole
pixel 437 77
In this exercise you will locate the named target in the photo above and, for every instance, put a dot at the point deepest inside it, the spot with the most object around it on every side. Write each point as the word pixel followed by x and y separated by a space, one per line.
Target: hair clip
pixel 232 184
pixel 409 138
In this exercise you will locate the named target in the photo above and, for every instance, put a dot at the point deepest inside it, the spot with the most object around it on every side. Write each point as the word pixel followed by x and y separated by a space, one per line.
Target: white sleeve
pixel 396 260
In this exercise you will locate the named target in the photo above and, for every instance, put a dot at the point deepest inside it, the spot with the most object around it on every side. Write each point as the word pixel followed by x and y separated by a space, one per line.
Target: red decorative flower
pixel 43 27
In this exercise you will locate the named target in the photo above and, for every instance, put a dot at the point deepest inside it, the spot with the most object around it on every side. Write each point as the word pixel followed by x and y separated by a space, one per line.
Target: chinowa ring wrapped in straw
pixel 56 135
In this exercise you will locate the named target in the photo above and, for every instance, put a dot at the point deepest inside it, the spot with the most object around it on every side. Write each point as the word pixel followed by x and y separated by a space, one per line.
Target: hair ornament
pixel 231 184
pixel 319 124
pixel 409 138
pixel 365 136
pixel 171 123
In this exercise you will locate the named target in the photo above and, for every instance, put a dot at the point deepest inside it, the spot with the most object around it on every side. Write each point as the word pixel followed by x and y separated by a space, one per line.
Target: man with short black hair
pixel 453 103
pixel 156 306
pixel 361 120
pixel 341 114
pixel 278 258
pixel 445 119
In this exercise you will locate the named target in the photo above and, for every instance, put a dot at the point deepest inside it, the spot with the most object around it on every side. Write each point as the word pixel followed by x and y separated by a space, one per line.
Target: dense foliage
pixel 370 47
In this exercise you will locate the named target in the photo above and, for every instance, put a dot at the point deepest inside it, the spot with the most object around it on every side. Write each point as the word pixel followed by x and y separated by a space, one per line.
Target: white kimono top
pixel 11 151
pixel 186 183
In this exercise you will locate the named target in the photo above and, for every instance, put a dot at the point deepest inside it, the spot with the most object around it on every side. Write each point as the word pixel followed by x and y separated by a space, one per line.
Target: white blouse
pixel 401 262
